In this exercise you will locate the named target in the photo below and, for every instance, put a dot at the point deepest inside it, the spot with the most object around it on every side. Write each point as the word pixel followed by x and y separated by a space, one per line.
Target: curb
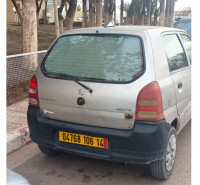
pixel 17 139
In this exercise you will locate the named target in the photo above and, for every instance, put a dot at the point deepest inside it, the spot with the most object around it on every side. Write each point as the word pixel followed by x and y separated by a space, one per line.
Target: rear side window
pixel 187 45
pixel 99 57
pixel 174 52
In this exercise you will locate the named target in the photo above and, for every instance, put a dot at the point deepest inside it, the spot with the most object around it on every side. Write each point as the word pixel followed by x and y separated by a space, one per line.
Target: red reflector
pixel 33 92
pixel 149 103
pixel 105 144
pixel 33 83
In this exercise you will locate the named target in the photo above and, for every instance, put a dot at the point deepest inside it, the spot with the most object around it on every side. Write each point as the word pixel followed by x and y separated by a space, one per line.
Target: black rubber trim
pixel 145 143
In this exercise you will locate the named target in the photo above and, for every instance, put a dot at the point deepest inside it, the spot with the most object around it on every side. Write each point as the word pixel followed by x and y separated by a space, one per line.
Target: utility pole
pixel 56 18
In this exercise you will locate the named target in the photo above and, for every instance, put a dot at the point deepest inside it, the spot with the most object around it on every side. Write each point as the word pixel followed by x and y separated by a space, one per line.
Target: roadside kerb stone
pixel 17 127
pixel 18 139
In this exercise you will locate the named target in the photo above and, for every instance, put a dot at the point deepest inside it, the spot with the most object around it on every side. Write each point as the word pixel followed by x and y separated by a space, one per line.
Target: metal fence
pixel 20 69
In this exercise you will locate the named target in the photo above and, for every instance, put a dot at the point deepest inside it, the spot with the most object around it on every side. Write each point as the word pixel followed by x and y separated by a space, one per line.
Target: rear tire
pixel 162 169
pixel 48 151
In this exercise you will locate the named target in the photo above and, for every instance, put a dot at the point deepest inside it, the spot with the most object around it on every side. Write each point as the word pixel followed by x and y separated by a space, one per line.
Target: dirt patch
pixel 80 170
pixel 61 175
pixel 50 173
pixel 46 35
pixel 86 179
pixel 107 174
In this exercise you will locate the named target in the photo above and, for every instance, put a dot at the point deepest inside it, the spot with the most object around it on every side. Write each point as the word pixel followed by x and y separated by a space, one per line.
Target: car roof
pixel 120 29
pixel 184 20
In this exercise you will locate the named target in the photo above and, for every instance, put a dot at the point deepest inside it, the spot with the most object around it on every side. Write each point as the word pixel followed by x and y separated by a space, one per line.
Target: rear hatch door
pixel 110 65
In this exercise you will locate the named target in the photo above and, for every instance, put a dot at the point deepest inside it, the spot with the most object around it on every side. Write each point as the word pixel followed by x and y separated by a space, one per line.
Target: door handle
pixel 180 85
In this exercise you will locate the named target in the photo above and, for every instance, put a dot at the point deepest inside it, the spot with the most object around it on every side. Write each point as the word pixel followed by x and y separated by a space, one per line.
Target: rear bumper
pixel 145 143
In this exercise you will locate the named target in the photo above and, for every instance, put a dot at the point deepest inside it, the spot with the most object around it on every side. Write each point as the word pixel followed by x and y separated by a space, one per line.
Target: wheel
pixel 162 169
pixel 48 151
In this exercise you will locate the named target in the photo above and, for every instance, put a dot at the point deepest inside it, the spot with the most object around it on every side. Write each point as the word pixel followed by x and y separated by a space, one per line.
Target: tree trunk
pixel 70 14
pixel 106 14
pixel 38 6
pixel 140 11
pixel 145 15
pixel 155 21
pixel 130 14
pixel 91 13
pixel 29 26
pixel 143 12
pixel 110 9
pixel 94 12
pixel 122 12
pixel 60 17
pixel 162 15
pixel 167 12
pixel 85 16
pixel 98 12
pixel 155 13
pixel 149 3
pixel 115 12
pixel 60 9
pixel 19 13
pixel 64 22
pixel 61 25
pixel 56 18
pixel 30 42
pixel 171 13
pixel 45 13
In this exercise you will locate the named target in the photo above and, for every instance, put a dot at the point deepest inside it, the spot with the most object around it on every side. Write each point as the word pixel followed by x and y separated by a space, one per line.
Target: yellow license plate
pixel 83 140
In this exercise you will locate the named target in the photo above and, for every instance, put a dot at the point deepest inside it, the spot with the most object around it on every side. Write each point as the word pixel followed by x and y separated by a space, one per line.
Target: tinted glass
pixel 175 53
pixel 187 45
pixel 106 57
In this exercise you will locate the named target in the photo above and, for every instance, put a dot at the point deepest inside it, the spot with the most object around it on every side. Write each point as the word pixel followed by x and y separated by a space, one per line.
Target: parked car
pixel 185 24
pixel 13 178
pixel 80 19
pixel 116 93
pixel 117 21
pixel 177 18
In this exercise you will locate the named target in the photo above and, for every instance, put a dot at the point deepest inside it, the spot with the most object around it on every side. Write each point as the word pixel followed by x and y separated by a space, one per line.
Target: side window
pixel 187 45
pixel 174 52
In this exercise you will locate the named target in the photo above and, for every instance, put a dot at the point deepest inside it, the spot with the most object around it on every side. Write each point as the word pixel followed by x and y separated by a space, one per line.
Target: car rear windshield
pixel 111 58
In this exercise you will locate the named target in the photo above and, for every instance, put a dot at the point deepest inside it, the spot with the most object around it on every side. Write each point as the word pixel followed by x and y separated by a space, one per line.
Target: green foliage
pixel 126 6
pixel 79 8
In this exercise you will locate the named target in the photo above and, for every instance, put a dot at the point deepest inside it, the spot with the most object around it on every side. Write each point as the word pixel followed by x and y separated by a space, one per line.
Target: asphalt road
pixel 68 169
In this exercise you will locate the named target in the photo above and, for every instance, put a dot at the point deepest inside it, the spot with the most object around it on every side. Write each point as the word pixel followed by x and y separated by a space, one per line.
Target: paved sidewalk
pixel 17 127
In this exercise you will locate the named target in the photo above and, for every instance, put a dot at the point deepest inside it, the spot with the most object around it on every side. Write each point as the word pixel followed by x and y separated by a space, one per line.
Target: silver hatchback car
pixel 118 93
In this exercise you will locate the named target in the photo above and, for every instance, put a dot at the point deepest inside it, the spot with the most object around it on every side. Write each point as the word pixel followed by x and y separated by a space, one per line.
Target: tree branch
pixel 19 13
pixel 60 9
pixel 38 5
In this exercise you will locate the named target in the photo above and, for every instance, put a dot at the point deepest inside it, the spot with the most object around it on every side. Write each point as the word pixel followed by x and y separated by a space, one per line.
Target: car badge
pixel 81 92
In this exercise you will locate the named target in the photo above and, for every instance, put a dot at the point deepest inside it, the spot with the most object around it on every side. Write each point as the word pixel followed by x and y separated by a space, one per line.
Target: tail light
pixel 149 103
pixel 33 92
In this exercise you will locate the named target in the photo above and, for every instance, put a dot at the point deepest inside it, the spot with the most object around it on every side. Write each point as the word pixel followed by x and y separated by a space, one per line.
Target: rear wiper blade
pixel 74 78
pixel 84 86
